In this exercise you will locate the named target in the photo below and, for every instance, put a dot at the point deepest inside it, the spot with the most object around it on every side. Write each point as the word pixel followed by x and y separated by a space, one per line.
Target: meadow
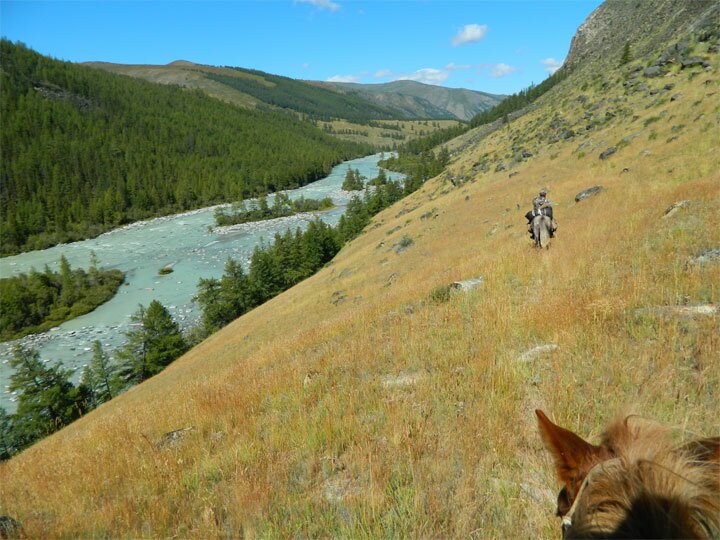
pixel 372 401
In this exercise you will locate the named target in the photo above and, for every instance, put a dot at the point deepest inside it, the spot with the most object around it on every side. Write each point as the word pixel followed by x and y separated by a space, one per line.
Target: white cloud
pixel 344 78
pixel 551 65
pixel 470 33
pixel 382 73
pixel 501 70
pixel 321 4
pixel 305 65
pixel 456 67
pixel 427 76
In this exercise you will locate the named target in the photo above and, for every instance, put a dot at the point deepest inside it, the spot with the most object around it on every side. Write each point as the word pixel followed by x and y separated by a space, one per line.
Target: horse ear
pixel 572 454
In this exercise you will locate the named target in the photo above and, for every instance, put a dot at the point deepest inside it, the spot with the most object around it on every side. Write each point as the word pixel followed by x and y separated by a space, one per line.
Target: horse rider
pixel 541 205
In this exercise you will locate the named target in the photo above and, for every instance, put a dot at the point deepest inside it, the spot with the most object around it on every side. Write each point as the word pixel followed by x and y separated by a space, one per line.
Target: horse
pixel 637 483
pixel 541 227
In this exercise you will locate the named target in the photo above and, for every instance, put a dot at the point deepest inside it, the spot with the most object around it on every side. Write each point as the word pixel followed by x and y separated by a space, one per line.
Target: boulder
pixel 694 61
pixel 609 152
pixel 173 439
pixel 588 193
pixel 686 312
pixel 468 284
pixel 401 380
pixel 536 351
pixel 709 256
pixel 653 71
pixel 629 138
pixel 338 297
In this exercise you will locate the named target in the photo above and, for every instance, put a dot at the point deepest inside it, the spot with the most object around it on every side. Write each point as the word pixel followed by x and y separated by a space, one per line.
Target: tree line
pixel 47 399
pixel 519 100
pixel 37 301
pixel 315 101
pixel 296 255
pixel 85 150
pixel 282 206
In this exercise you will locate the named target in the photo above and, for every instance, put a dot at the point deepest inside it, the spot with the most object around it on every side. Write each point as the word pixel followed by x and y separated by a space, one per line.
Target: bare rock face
pixel 645 24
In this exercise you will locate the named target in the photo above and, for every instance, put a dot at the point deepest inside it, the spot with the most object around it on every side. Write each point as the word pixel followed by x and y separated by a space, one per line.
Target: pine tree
pixel 101 376
pixel 353 181
pixel 625 57
pixel 47 400
pixel 8 438
pixel 152 345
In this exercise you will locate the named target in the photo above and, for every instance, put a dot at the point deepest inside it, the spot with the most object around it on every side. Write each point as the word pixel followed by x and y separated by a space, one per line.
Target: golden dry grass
pixel 392 414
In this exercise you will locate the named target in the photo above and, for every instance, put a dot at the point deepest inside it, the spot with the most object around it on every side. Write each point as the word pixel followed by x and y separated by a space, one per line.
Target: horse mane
pixel 654 489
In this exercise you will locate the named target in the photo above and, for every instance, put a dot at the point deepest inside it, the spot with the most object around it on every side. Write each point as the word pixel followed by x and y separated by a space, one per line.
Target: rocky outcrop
pixel 645 24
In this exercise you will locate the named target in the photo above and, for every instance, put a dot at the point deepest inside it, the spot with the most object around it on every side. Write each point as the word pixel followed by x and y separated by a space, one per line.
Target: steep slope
pixel 417 100
pixel 645 26
pixel 85 151
pixel 370 401
pixel 185 74
pixel 257 89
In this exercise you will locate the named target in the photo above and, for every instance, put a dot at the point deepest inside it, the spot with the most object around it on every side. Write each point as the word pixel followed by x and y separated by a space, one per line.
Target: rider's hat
pixel 543 191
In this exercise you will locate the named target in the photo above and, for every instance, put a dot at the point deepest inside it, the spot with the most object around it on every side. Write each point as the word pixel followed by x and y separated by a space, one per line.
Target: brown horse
pixel 637 483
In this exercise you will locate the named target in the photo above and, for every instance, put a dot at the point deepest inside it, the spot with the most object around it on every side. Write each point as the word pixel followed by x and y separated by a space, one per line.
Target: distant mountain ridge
pixel 399 100
pixel 424 100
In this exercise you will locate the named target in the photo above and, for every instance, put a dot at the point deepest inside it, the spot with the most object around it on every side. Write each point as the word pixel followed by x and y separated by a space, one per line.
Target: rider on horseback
pixel 541 205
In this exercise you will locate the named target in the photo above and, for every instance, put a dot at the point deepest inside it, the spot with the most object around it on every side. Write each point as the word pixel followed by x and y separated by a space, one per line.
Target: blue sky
pixel 492 46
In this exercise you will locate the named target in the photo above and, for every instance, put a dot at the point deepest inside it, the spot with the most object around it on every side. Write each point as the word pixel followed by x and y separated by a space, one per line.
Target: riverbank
pixel 187 241
pixel 36 302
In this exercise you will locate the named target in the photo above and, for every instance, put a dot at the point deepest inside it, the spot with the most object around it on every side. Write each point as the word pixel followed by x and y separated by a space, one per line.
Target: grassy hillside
pixel 369 402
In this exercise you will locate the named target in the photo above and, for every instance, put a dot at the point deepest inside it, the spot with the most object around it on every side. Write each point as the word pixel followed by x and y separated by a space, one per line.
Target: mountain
pixel 418 100
pixel 85 151
pixel 616 22
pixel 323 101
pixel 374 400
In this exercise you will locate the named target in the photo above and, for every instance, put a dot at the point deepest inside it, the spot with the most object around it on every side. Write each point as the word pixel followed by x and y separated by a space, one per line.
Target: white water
pixel 140 250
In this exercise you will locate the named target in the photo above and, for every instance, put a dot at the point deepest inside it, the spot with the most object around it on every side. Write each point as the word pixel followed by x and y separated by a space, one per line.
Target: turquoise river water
pixel 184 241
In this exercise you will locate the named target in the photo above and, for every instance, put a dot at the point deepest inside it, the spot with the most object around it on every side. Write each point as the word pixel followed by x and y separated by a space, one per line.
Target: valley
pixel 392 393
pixel 188 243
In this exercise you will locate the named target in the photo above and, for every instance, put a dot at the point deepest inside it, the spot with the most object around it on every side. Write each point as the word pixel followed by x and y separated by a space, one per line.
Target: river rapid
pixel 187 242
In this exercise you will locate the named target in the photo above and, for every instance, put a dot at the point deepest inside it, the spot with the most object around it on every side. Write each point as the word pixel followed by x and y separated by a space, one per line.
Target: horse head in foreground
pixel 637 483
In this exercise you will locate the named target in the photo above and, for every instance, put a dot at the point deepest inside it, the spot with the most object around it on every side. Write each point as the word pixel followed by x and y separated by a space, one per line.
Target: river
pixel 184 241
